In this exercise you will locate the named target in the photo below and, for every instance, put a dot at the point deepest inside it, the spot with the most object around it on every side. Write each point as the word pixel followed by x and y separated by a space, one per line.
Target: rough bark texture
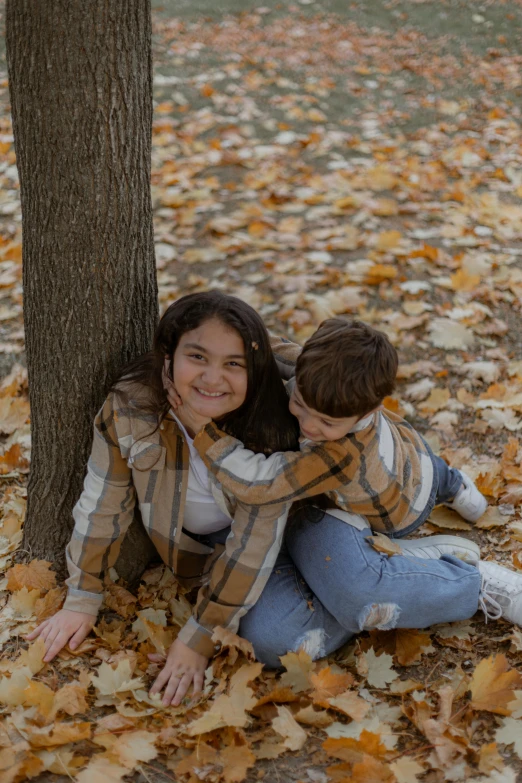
pixel 80 76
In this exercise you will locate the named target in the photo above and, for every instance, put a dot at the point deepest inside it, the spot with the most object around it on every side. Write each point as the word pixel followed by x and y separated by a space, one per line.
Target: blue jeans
pixel 446 483
pixel 449 480
pixel 329 584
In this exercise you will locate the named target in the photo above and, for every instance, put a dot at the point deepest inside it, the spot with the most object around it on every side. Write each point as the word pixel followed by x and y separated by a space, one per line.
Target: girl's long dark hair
pixel 263 422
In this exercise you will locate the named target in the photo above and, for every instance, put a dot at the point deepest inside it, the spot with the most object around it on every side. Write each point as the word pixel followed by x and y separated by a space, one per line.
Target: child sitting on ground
pixel 367 460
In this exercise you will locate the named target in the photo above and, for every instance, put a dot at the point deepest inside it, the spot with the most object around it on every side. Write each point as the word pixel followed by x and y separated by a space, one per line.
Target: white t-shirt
pixel 202 514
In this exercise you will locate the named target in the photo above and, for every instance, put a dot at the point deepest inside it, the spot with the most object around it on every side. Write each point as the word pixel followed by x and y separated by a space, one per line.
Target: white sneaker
pixel 433 547
pixel 468 502
pixel 501 593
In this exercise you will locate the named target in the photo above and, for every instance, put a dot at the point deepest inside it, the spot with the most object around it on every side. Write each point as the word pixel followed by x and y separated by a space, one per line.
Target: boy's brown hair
pixel 346 368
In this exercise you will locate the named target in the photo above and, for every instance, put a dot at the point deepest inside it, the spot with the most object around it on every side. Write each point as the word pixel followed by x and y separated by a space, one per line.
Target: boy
pixel 368 461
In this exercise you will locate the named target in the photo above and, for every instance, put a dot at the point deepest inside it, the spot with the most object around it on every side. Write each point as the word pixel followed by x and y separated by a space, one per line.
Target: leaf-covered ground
pixel 314 159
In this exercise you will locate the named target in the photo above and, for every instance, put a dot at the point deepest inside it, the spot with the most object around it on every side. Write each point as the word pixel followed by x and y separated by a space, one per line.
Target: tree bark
pixel 80 77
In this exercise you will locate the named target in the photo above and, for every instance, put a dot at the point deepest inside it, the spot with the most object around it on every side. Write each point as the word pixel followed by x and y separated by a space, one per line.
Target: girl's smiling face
pixel 210 370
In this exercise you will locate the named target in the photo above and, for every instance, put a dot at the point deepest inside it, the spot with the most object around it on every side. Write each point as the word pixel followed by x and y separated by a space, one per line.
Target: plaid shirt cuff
pixel 197 638
pixel 82 601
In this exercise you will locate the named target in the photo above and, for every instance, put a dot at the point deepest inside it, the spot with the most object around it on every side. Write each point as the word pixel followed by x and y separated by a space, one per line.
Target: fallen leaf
pixel 101 770
pixel 311 717
pixel 493 684
pixel 110 681
pixel 59 734
pixel 351 704
pixel 406 770
pixel 380 671
pixel 490 758
pixel 35 576
pixel 510 734
pixel 383 544
pixel 287 727
pixel 297 675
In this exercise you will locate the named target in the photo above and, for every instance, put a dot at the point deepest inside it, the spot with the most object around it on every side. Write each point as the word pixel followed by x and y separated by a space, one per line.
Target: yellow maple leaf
pixel 493 684
pixel 236 761
pixel 327 684
pixel 298 666
pixel 58 734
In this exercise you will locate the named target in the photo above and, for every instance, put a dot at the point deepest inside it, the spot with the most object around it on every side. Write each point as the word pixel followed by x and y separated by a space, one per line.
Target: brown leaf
pixel 383 544
pixel 318 718
pixel 277 696
pixel 120 600
pixel 351 704
pixel 12 460
pixel 58 734
pixel 493 684
pixel 345 747
pixel 231 641
pixel 50 603
pixel 35 576
pixel 490 758
pixel 236 761
pixel 406 644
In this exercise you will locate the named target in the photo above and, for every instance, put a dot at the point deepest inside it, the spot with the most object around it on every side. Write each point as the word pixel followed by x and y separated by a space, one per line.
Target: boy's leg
pixel 288 616
pixel 458 491
pixel 450 480
pixel 364 589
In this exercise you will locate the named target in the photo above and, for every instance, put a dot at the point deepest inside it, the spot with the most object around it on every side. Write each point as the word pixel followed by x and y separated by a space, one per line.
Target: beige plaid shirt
pixel 381 470
pixel 129 464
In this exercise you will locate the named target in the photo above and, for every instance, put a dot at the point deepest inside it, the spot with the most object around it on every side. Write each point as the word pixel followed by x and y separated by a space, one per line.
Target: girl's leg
pixel 364 589
pixel 288 616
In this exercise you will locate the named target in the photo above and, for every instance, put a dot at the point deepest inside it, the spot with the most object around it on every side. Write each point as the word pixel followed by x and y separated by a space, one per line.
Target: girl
pixel 220 361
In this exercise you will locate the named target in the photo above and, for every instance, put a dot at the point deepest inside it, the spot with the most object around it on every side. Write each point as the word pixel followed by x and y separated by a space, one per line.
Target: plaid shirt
pixel 130 464
pixel 381 470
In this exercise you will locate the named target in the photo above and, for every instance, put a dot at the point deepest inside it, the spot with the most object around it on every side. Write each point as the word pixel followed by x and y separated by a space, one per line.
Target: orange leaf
pixel 35 576
pixel 50 603
pixel 463 281
pixel 493 684
pixel 12 460
pixel 388 240
pixel 344 748
pixel 59 734
pixel 328 684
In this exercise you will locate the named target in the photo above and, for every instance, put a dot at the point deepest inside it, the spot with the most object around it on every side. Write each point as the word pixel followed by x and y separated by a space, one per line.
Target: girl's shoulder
pixel 128 409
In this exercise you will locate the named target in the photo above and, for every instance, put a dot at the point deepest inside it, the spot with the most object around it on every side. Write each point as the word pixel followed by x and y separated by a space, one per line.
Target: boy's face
pixel 315 426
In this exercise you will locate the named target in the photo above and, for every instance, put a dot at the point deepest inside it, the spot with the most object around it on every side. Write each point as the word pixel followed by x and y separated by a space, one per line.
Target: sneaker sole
pixel 452 541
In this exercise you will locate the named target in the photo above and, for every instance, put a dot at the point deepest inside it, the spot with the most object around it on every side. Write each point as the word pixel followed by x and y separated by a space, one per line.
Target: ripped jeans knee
pixel 312 642
pixel 381 617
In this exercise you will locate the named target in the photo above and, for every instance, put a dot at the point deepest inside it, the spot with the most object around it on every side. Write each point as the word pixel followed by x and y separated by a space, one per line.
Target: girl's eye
pixel 326 423
pixel 235 364
pixel 196 356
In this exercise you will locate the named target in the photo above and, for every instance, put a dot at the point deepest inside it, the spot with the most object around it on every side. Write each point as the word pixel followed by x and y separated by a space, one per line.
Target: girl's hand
pixel 64 626
pixel 184 667
pixel 191 419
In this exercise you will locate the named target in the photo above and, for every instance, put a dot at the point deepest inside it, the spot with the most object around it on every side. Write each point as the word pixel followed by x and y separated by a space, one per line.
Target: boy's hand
pixel 63 627
pixel 184 667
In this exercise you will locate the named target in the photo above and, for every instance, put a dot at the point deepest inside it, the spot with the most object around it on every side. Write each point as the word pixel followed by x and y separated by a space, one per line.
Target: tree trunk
pixel 80 77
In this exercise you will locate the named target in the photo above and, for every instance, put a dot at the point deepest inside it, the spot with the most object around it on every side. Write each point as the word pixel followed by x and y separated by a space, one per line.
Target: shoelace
pixel 485 598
